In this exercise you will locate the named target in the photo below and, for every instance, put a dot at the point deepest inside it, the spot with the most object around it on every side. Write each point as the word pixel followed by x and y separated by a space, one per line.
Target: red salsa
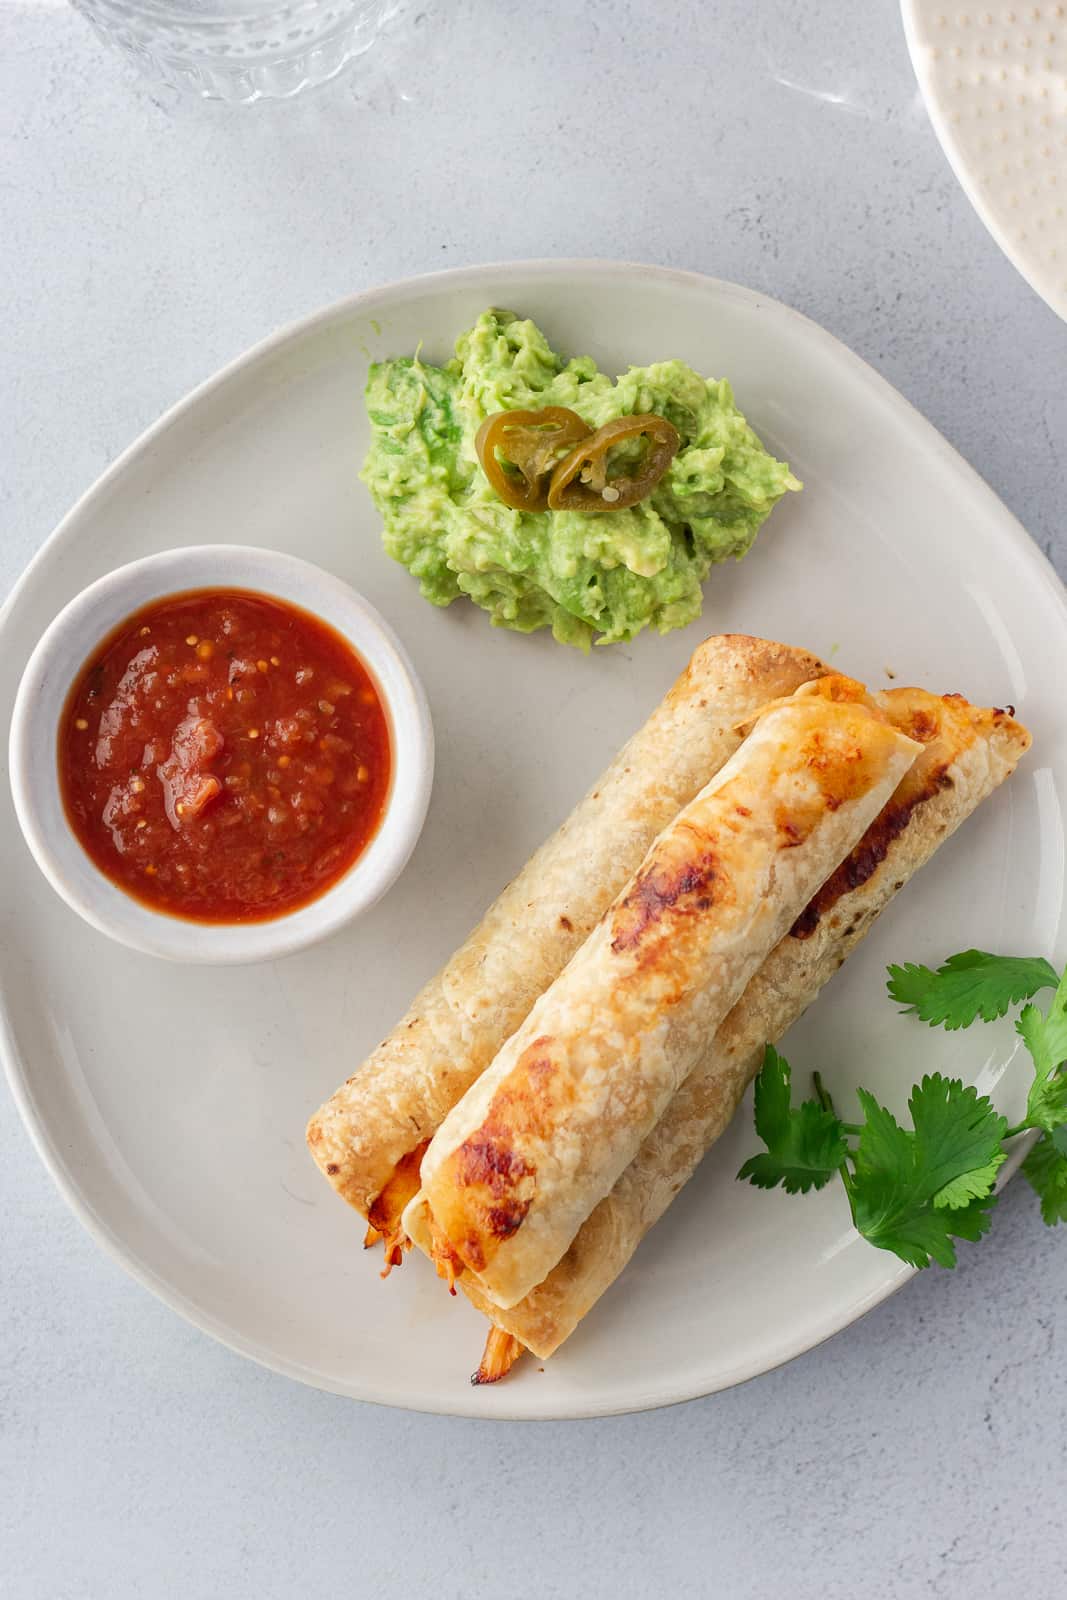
pixel 224 756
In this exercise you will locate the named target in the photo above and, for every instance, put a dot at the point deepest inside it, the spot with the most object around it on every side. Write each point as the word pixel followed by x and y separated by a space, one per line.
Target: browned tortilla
pixel 402 1093
pixel 968 752
pixel 541 1138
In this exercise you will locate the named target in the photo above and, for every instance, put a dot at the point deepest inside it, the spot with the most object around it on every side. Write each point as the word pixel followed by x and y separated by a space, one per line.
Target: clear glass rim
pixel 254 14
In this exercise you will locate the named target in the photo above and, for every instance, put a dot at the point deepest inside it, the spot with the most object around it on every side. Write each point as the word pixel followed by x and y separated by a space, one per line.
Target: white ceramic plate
pixel 169 1104
pixel 994 78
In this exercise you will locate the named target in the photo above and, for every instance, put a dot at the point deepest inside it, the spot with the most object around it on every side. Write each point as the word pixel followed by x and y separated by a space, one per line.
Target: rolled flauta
pixel 968 753
pixel 368 1137
pixel 542 1137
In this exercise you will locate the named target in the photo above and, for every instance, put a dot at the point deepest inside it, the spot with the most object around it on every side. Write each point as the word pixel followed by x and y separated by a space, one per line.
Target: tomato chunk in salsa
pixel 224 756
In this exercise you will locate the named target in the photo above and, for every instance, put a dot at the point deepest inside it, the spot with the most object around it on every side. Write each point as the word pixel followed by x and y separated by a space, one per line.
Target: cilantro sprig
pixel 805 1145
pixel 970 985
pixel 916 1190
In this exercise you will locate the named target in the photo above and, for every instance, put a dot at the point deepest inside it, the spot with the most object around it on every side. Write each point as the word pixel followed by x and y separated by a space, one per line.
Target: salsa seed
pixel 205 649
pixel 180 809
pixel 81 724
pixel 136 785
pixel 253 733
pixel 283 761
pixel 274 661
pixel 326 708
pixel 261 666
pixel 145 631
pixel 229 694
pixel 151 871
pixel 141 825
pixel 367 696
pixel 362 774
pixel 192 638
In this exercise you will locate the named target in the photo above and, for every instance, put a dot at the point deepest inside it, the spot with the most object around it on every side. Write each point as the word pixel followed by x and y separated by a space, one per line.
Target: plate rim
pixel 910 13
pixel 18 1073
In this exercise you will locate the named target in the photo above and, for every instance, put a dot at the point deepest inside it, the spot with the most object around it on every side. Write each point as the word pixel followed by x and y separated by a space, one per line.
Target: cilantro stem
pixel 822 1094
pixel 1020 1127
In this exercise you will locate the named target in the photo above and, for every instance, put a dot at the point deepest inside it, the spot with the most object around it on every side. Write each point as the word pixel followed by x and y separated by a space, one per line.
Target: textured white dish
pixel 59 657
pixel 896 558
pixel 994 78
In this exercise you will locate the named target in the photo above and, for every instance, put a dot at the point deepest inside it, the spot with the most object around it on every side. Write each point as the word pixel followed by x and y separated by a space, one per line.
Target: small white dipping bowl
pixel 59 658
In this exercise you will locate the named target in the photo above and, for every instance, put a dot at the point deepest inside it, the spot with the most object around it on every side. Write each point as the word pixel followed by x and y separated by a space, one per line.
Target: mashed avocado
pixel 609 574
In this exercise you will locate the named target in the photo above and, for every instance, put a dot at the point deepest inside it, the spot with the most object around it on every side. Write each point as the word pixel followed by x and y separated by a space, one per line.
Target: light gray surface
pixel 144 243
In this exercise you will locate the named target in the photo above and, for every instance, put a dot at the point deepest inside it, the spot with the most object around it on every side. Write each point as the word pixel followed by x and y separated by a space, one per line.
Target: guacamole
pixel 601 576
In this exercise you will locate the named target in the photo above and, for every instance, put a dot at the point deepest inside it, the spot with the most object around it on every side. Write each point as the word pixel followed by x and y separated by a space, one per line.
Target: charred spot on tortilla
pixel 488 1161
pixel 661 890
pixel 923 727
pixel 505 1220
pixel 869 854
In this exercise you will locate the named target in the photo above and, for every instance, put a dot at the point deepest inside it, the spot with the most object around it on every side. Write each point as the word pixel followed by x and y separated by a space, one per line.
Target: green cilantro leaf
pixel 969 985
pixel 974 1185
pixel 1046 1039
pixel 911 1193
pixel 1045 1169
pixel 805 1144
pixel 958 1136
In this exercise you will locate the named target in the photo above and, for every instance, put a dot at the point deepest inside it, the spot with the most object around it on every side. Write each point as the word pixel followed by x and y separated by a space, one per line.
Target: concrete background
pixel 145 241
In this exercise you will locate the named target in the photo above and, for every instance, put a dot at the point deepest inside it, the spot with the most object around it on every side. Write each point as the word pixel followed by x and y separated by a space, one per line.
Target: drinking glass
pixel 240 50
